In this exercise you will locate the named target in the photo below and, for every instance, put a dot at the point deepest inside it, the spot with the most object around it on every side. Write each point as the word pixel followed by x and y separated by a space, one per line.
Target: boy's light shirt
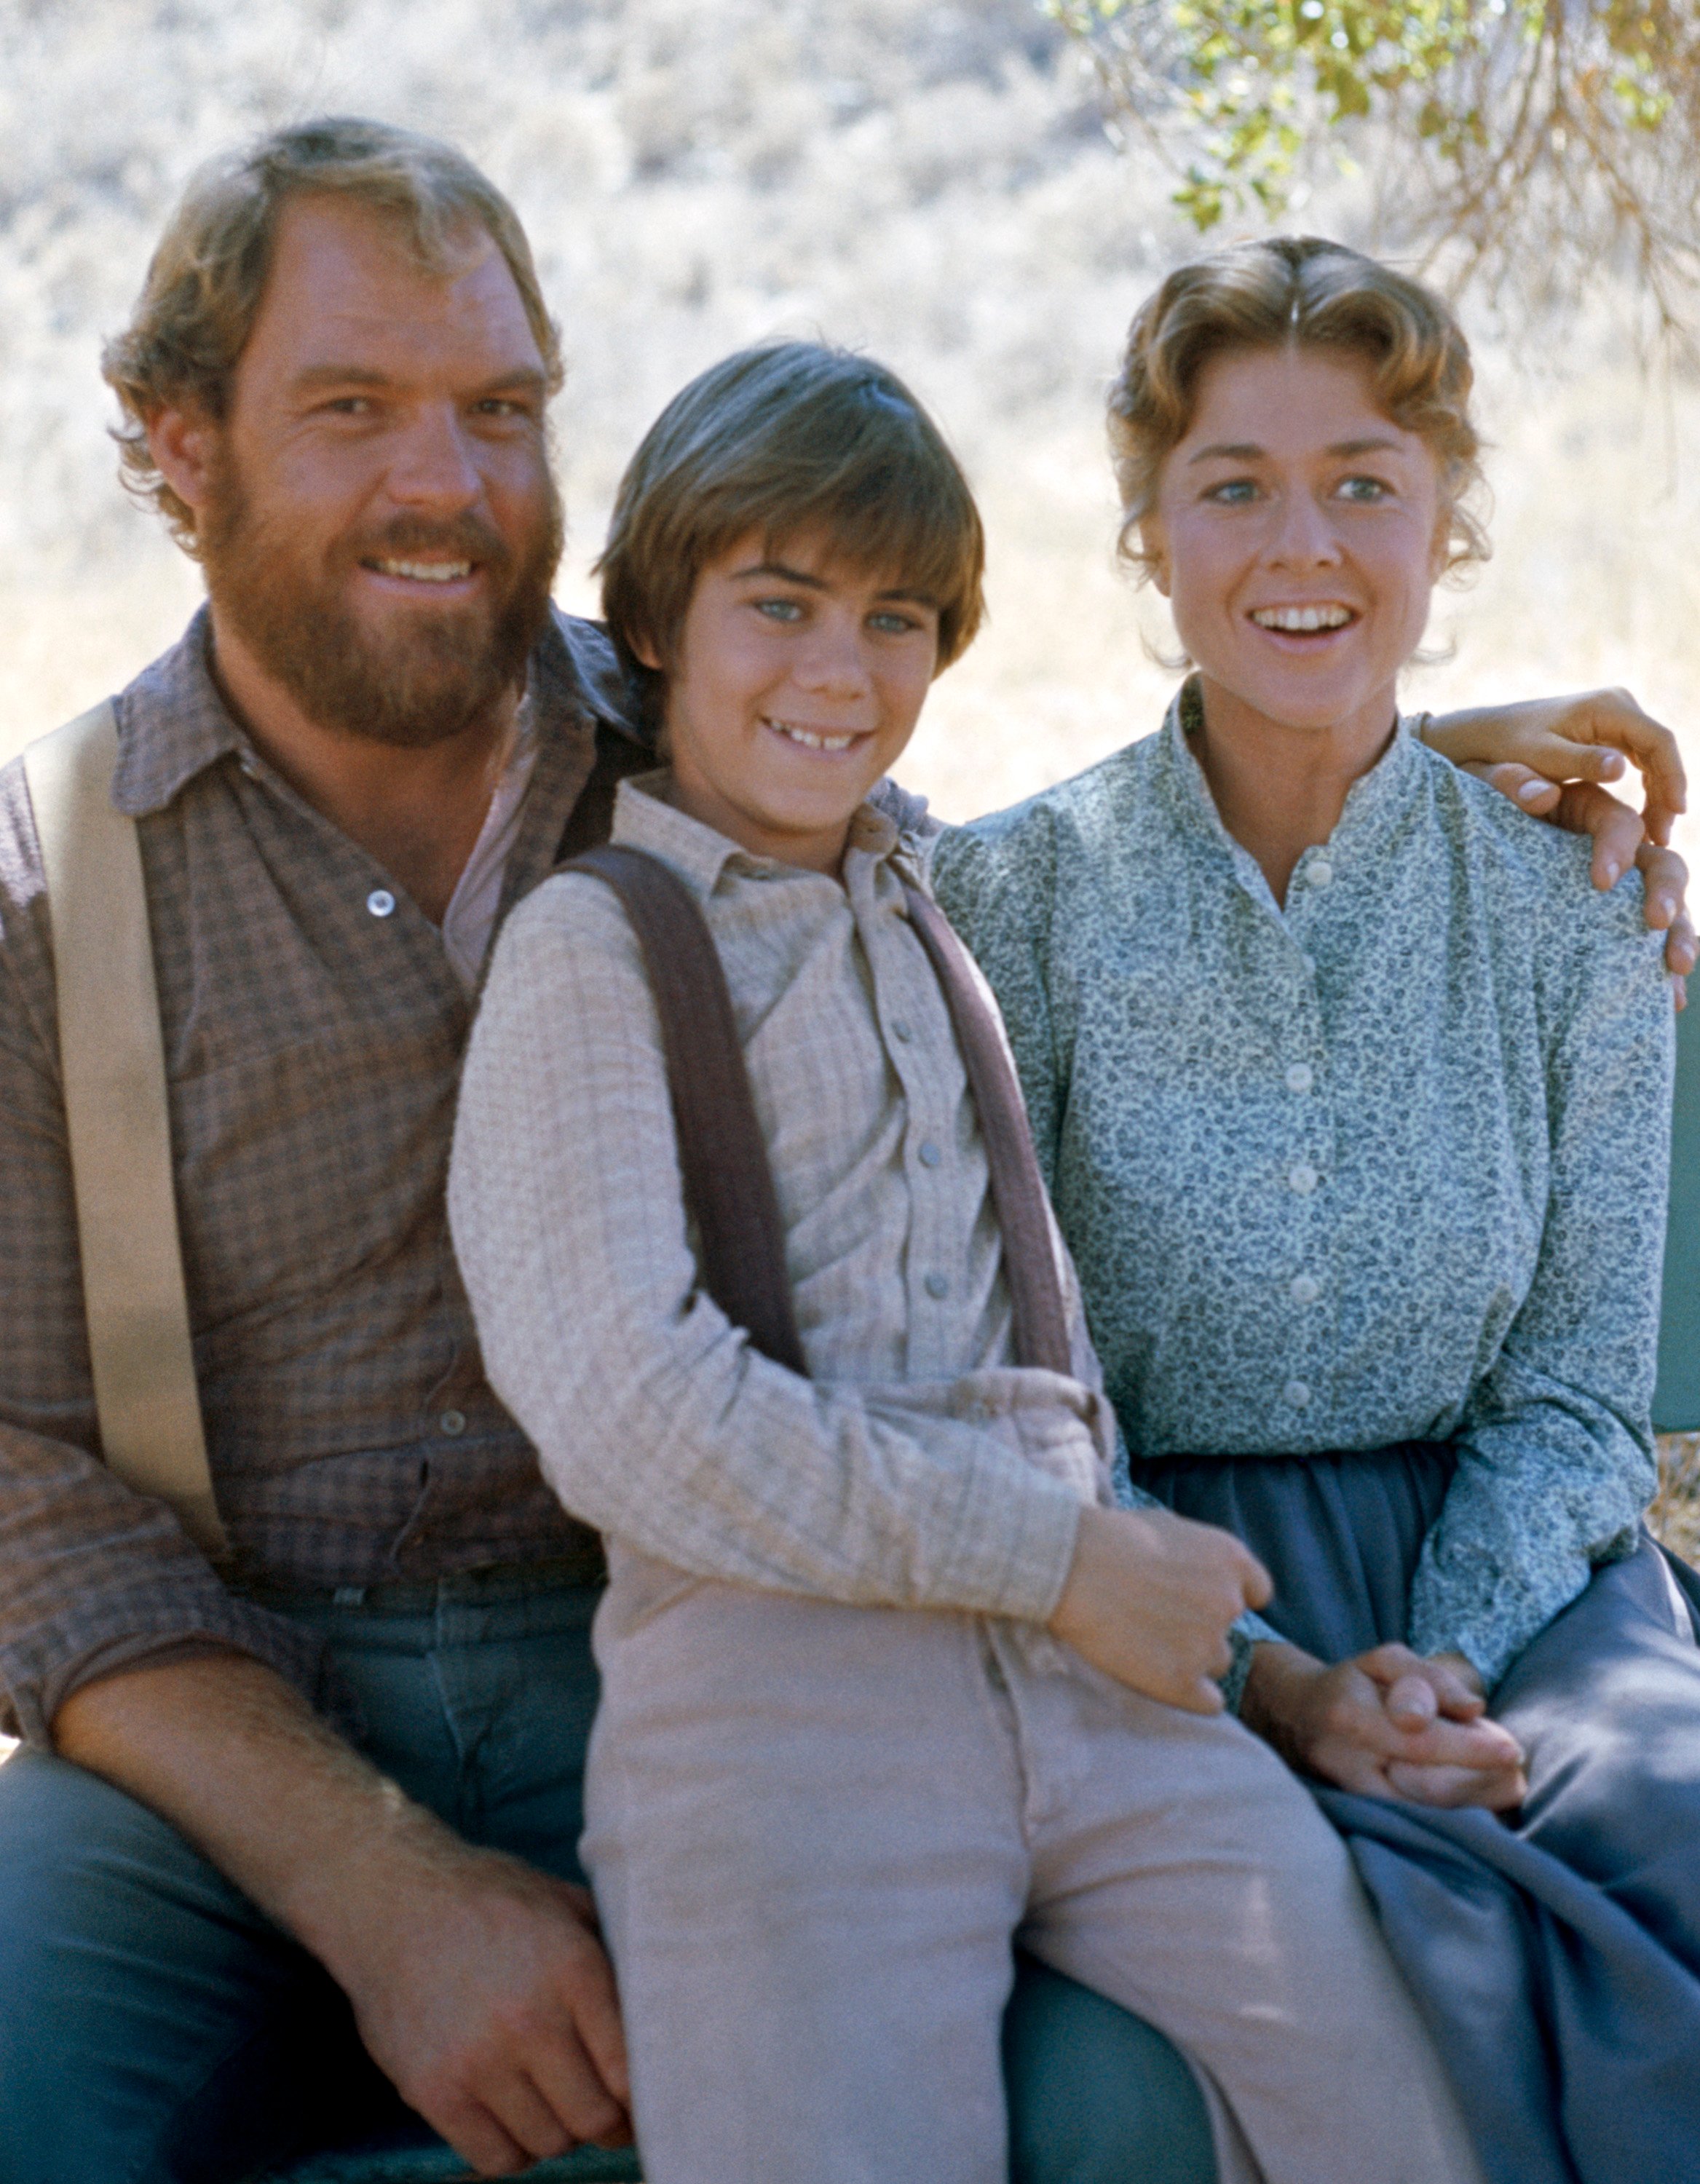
pixel 917 1467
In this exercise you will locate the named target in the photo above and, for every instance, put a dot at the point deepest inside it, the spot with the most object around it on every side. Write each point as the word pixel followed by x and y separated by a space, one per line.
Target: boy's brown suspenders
pixel 118 1122
pixel 728 1182
pixel 118 1125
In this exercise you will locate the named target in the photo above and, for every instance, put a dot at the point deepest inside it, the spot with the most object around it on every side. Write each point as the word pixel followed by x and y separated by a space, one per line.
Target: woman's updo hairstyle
pixel 1305 291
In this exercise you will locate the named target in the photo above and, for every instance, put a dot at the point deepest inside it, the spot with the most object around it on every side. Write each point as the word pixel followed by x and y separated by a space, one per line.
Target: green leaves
pixel 1526 142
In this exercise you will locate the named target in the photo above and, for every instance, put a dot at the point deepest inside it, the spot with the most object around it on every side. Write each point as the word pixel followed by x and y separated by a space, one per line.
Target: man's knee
pixel 129 1968
pixel 1096 2095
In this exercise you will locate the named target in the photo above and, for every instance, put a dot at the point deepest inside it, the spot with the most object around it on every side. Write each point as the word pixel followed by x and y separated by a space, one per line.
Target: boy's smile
pixel 797 682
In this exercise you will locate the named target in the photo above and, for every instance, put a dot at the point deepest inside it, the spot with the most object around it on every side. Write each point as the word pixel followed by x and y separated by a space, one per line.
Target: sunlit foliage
pixel 1524 144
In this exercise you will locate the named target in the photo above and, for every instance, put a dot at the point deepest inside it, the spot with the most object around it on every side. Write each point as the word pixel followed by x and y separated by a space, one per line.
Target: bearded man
pixel 289 1850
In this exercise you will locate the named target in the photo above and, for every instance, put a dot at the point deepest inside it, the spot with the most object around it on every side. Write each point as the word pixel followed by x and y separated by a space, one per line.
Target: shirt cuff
pixel 225 1625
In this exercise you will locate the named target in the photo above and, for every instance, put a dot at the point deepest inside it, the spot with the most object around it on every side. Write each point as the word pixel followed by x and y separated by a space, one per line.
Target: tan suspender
pixel 117 1120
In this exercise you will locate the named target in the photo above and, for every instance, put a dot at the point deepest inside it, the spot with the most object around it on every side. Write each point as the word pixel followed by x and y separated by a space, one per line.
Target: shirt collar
pixel 172 724
pixel 1373 803
pixel 645 819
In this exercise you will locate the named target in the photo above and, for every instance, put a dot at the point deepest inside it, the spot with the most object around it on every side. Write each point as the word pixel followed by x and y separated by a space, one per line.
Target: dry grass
pixel 927 181
pixel 1675 1515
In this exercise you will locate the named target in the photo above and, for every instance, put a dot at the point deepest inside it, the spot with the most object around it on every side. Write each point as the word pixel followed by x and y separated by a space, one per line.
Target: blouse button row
pixel 381 902
pixel 1301 1077
pixel 1302 1178
pixel 1296 1394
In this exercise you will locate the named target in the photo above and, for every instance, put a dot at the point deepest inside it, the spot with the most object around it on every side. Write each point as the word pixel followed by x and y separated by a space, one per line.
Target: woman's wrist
pixel 1278 1680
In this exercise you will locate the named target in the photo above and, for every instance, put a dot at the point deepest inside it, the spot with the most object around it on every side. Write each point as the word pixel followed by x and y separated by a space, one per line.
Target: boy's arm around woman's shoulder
pixel 655 1420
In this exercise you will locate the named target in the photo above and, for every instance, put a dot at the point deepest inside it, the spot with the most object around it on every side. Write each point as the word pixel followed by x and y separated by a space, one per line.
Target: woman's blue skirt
pixel 1556 1957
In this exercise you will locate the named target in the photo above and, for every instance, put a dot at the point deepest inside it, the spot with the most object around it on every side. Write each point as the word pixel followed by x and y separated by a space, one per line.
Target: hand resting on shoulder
pixel 1551 757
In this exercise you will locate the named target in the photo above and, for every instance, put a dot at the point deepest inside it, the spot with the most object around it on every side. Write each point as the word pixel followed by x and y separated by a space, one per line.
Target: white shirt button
pixel 900 1030
pixel 1304 1289
pixel 1300 1077
pixel 1320 873
pixel 936 1286
pixel 1296 1394
pixel 452 1422
pixel 928 1154
pixel 381 902
pixel 1302 1178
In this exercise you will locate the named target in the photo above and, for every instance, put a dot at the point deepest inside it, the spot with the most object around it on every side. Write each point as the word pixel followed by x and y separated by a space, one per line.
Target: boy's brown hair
pixel 788 437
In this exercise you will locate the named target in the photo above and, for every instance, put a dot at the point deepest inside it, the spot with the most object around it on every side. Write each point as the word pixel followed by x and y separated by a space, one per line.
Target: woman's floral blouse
pixel 1388 1163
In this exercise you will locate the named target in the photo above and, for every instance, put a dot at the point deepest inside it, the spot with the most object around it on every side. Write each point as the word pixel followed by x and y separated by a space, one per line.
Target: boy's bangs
pixel 890 518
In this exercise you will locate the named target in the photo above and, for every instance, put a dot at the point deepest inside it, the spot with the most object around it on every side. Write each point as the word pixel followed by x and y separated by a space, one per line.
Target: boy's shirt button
pixel 900 1029
pixel 936 1286
pixel 930 1156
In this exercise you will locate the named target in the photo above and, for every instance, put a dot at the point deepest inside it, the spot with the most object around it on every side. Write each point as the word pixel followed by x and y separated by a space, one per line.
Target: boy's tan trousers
pixel 815 1831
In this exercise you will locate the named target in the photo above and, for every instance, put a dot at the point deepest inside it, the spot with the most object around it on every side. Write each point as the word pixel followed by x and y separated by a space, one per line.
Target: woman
pixel 1354 1104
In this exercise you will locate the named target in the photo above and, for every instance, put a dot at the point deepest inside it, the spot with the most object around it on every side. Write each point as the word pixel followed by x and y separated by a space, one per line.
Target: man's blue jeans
pixel 155 2029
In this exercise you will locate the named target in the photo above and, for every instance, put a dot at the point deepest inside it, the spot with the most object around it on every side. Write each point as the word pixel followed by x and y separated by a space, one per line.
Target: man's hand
pixel 479 1984
pixel 1149 1600
pixel 1550 755
pixel 481 1989
pixel 1388 1724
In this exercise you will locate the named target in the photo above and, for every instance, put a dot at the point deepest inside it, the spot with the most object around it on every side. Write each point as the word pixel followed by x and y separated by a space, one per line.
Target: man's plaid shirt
pixel 313 1030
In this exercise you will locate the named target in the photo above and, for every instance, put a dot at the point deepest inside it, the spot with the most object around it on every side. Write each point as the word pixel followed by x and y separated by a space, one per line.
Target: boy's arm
pixel 657 1421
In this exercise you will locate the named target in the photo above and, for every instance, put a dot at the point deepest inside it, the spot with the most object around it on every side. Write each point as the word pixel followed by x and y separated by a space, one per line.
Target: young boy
pixel 889 1681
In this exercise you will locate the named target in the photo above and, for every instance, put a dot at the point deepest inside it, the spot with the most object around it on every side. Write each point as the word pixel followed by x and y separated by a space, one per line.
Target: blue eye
pixel 1364 489
pixel 786 611
pixel 890 624
pixel 1236 493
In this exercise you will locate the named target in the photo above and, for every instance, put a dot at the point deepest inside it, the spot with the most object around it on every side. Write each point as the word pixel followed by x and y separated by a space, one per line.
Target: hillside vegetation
pixel 929 181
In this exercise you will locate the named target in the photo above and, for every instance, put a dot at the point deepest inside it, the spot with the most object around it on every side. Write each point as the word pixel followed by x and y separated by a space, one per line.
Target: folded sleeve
pixel 654 1418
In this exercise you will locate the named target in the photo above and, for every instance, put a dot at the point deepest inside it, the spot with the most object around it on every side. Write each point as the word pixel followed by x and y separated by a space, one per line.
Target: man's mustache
pixel 408 537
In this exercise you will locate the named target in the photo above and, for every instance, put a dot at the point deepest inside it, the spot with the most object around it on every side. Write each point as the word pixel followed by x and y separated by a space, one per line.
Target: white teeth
pixel 426 572
pixel 1302 618
pixel 809 738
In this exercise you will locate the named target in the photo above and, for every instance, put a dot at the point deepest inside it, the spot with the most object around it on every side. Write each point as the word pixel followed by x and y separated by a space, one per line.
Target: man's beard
pixel 423 679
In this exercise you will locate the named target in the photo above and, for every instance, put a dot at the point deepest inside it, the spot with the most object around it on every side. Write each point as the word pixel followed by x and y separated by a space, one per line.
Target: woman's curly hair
pixel 1302 291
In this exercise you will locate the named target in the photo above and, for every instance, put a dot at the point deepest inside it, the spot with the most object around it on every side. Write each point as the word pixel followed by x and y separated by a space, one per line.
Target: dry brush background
pixel 928 182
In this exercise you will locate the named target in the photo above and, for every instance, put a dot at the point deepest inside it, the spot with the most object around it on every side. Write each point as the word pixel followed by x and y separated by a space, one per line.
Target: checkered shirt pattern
pixel 313 1030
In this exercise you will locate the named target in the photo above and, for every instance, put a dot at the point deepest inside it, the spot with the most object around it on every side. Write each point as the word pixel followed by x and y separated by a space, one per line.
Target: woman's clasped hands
pixel 1387 1723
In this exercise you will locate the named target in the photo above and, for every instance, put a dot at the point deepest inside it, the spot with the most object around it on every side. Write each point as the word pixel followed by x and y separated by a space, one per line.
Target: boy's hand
pixel 1388 1724
pixel 1150 1598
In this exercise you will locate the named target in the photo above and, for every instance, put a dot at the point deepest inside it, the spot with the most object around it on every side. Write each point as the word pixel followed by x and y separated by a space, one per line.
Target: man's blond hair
pixel 205 285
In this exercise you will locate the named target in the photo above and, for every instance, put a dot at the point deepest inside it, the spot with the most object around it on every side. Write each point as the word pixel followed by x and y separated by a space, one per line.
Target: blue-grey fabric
pixel 1556 1959
pixel 1384 1160
pixel 1676 1399
pixel 156 2029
